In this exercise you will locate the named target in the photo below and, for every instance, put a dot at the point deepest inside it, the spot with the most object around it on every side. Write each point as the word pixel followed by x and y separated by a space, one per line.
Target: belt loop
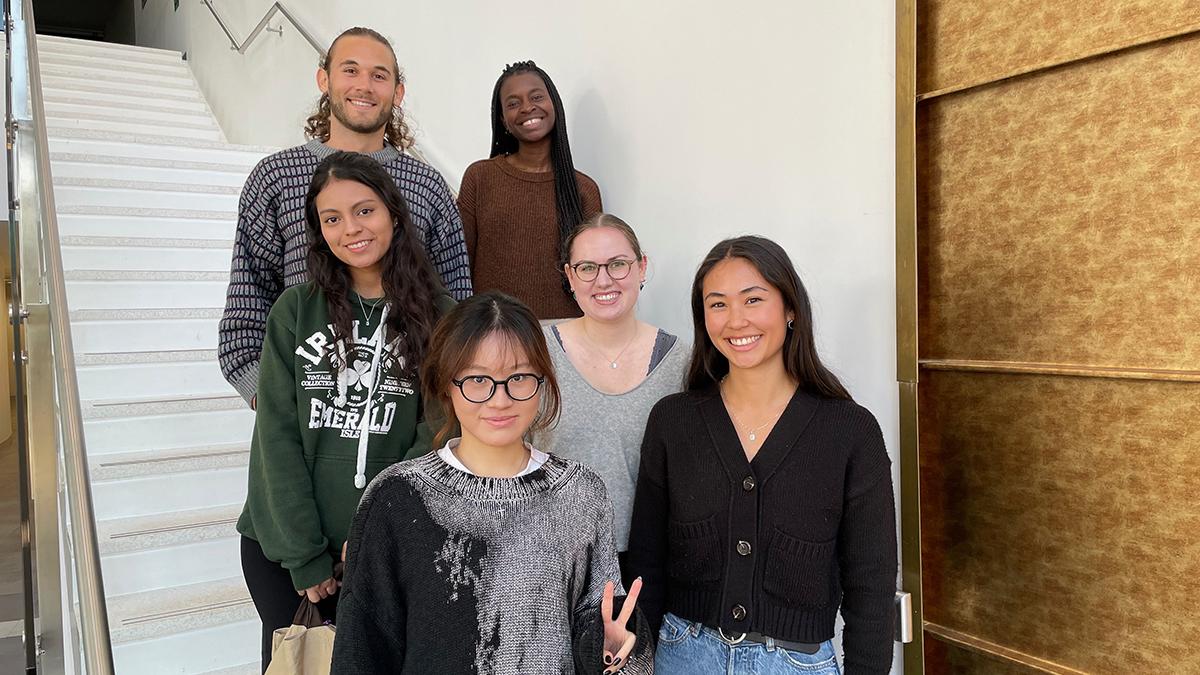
pixel 694 628
pixel 770 644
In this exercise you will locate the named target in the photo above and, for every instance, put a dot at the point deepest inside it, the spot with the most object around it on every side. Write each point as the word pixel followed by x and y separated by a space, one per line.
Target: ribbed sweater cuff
pixel 246 382
pixel 312 572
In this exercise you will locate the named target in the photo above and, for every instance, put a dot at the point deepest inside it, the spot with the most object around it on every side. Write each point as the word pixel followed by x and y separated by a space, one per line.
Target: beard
pixel 370 126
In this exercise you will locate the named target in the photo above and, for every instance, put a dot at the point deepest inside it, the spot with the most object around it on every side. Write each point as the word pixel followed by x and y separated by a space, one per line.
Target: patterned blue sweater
pixel 271 245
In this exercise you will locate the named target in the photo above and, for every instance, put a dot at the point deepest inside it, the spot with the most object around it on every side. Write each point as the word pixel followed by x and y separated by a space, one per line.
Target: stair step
pixel 78 107
pixel 123 101
pixel 92 224
pixel 223 426
pixel 108 50
pixel 113 465
pixel 208 132
pixel 154 380
pixel 129 253
pixel 174 68
pixel 171 566
pixel 149 494
pixel 252 668
pixel 200 651
pixel 117 78
pixel 144 330
pixel 78 85
pixel 167 145
pixel 135 194
pixel 138 616
pixel 70 165
pixel 104 289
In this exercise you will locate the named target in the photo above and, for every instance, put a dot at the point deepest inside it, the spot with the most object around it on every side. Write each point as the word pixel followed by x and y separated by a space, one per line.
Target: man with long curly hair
pixel 362 87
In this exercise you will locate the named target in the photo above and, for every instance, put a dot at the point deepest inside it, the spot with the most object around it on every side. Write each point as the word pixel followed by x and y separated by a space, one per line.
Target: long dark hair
pixel 800 358
pixel 460 333
pixel 396 133
pixel 410 283
pixel 567 202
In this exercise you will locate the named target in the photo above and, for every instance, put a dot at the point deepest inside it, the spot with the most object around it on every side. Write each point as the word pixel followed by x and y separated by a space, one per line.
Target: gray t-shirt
pixel 604 431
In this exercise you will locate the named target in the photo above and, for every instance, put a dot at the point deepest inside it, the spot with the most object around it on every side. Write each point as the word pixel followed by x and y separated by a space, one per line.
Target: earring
pixel 790 325
pixel 642 285
pixel 572 295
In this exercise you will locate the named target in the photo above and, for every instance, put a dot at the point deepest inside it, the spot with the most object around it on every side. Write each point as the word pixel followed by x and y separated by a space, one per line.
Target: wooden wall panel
pixel 1059 215
pixel 1060 518
pixel 963 42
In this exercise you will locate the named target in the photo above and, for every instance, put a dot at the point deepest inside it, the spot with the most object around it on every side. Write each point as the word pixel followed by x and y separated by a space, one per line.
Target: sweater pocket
pixel 800 572
pixel 693 552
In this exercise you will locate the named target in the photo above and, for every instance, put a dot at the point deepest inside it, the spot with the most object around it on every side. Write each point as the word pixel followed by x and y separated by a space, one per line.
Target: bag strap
pixel 308 615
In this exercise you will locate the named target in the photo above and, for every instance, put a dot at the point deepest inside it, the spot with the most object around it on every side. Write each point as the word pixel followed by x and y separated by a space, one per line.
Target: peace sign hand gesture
pixel 618 641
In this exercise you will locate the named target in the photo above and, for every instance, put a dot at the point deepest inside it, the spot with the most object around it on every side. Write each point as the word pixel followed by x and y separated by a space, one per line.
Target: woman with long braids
pixel 519 205
pixel 338 399
pixel 764 500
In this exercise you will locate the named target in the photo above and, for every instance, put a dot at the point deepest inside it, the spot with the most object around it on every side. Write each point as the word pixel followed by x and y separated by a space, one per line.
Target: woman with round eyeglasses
pixel 488 555
pixel 612 368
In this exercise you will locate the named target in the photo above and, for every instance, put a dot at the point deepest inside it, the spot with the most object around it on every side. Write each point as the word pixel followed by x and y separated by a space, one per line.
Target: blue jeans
pixel 690 648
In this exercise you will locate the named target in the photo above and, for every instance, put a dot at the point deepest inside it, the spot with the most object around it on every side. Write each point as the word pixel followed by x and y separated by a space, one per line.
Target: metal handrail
pixel 93 628
pixel 276 8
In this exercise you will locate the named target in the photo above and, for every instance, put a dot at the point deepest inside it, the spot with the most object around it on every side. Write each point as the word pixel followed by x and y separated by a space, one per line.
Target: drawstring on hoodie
pixel 343 381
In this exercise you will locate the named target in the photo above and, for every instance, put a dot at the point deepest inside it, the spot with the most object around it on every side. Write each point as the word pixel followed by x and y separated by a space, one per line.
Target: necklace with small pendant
pixel 612 363
pixel 752 433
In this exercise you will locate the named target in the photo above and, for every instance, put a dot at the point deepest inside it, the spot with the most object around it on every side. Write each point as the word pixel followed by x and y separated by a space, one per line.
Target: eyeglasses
pixel 481 388
pixel 588 271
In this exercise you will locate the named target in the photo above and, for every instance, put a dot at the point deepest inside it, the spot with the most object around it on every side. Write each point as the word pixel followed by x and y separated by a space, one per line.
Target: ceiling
pixel 75 18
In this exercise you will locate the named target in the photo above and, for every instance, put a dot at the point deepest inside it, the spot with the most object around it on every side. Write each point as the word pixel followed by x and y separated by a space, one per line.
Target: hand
pixel 320 591
pixel 618 641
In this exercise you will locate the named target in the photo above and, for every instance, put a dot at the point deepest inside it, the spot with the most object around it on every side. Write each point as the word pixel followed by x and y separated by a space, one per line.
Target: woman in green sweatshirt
pixel 337 396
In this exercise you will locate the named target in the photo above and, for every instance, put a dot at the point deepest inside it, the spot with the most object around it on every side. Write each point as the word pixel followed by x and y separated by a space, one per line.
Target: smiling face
pixel 744 315
pixel 528 111
pixel 605 298
pixel 361 84
pixel 499 422
pixel 355 223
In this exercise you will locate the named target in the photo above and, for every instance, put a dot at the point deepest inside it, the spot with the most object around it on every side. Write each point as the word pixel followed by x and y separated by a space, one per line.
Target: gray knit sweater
pixel 604 431
pixel 448 572
pixel 271 245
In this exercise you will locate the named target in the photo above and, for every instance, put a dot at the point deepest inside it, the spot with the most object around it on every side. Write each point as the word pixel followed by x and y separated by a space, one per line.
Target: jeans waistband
pixel 759 638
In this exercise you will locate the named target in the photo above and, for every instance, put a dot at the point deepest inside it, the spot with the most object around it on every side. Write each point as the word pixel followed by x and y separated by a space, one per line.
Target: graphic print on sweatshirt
pixel 341 378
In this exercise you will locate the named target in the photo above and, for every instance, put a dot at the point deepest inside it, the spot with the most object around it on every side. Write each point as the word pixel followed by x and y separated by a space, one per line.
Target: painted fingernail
pixel 608 660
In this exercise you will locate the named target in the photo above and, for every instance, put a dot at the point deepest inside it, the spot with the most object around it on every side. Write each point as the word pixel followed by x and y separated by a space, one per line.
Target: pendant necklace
pixel 752 434
pixel 612 363
pixel 364 310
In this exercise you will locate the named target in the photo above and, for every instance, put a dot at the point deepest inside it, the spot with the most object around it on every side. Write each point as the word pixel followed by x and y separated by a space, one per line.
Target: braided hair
pixel 567 202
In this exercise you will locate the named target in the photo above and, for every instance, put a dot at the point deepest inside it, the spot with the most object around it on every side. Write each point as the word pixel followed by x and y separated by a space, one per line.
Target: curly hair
pixel 410 284
pixel 397 132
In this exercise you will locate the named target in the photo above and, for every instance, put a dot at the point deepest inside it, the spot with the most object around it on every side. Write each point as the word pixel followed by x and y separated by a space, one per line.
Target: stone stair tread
pixel 161 405
pixel 144 275
pixel 181 81
pixel 126 358
pixel 77 45
pixel 117 465
pixel 124 535
pixel 149 162
pixel 154 139
pixel 252 668
pixel 64 97
pixel 144 242
pixel 154 186
pixel 169 611
pixel 143 67
pixel 53 117
pixel 147 314
pixel 139 211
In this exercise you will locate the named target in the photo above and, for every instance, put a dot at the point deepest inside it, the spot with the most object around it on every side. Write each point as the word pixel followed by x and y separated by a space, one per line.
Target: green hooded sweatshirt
pixel 306 468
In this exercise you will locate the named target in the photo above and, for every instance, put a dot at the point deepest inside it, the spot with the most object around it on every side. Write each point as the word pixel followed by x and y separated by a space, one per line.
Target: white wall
pixel 698 119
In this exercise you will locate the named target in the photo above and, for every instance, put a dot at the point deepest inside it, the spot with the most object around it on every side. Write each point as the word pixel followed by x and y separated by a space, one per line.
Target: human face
pixel 528 111
pixel 605 298
pixel 744 315
pixel 361 84
pixel 499 422
pixel 355 223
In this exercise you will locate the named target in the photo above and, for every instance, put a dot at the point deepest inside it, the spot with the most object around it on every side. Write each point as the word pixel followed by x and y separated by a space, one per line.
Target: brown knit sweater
pixel 511 228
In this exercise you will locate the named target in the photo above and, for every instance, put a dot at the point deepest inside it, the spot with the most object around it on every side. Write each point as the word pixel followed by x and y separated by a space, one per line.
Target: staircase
pixel 147 191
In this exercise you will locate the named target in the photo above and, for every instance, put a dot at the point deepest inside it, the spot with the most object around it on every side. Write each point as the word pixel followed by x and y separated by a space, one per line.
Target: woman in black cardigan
pixel 764 501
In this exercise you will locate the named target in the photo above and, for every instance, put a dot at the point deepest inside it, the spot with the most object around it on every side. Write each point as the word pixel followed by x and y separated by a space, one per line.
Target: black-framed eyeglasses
pixel 481 388
pixel 617 269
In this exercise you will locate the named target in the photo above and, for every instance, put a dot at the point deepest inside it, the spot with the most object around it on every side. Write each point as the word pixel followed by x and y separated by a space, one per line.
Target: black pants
pixel 274 597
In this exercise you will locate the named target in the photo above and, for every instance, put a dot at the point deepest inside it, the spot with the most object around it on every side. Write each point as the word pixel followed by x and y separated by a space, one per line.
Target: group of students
pixel 519 474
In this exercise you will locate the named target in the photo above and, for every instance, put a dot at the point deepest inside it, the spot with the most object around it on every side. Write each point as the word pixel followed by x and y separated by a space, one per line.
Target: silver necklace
pixel 752 433
pixel 612 363
pixel 364 309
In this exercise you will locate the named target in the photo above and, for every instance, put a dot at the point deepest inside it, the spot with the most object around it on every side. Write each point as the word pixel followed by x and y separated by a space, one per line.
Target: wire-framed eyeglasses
pixel 618 269
pixel 481 388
